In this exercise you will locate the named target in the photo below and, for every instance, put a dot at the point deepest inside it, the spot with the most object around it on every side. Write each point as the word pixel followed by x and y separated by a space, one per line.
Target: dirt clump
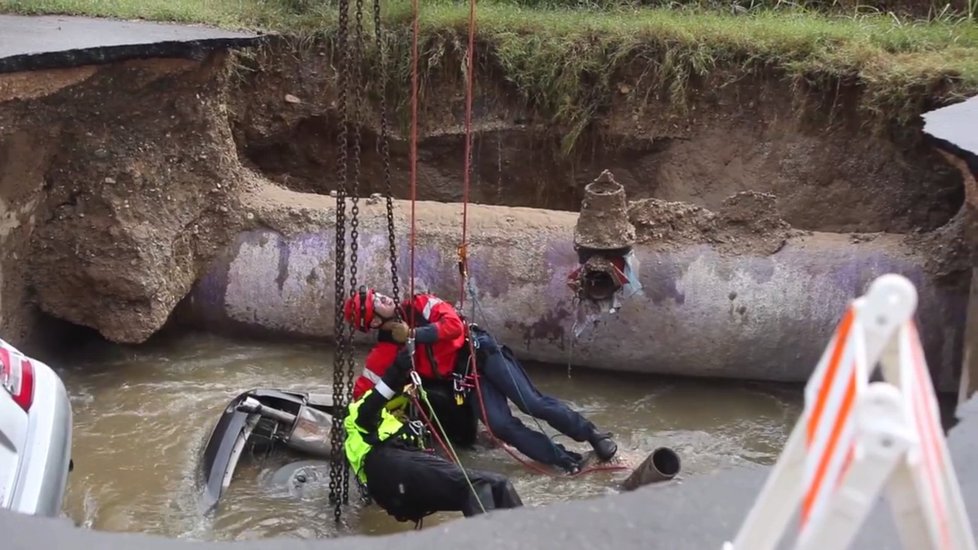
pixel 135 191
pixel 603 221
pixel 747 223
pixel 950 250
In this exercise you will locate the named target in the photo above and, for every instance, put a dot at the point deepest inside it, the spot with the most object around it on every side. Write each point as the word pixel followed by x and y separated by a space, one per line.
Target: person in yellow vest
pixel 406 480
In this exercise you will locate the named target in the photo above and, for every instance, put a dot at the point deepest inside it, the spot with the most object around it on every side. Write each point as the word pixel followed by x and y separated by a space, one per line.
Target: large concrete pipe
pixel 702 311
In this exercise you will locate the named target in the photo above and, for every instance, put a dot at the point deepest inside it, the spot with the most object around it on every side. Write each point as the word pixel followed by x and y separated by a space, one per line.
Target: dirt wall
pixel 828 167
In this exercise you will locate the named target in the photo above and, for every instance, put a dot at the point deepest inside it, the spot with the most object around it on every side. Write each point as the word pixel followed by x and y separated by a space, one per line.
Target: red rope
pixel 529 465
pixel 414 138
pixel 470 84
pixel 469 93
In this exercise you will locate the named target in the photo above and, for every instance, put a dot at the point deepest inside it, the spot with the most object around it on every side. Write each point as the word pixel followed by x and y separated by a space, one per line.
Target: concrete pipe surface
pixel 701 312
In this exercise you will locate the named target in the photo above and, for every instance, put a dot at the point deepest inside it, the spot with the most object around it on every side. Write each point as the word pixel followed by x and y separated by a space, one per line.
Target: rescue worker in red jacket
pixel 439 335
pixel 458 421
pixel 440 324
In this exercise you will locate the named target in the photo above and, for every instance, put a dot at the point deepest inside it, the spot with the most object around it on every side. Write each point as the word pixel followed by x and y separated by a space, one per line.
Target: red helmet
pixel 359 309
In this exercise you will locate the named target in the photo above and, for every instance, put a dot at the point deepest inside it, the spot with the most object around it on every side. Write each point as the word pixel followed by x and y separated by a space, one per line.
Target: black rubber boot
pixel 604 447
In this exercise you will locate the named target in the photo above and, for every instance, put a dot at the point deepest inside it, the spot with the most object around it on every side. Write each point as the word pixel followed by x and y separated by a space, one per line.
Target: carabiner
pixel 417 427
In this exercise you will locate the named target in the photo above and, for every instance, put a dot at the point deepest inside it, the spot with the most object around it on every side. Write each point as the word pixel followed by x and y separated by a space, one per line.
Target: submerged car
pixel 260 420
pixel 35 435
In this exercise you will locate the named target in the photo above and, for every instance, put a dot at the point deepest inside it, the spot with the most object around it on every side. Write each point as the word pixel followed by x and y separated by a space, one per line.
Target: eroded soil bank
pixel 118 181
pixel 121 183
pixel 829 166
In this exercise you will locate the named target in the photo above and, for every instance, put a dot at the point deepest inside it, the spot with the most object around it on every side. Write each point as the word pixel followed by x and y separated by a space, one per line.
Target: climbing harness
pixel 445 444
pixel 419 428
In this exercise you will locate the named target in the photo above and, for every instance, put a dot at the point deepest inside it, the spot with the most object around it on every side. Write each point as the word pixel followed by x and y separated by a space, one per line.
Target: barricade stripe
pixel 814 496
pixel 842 336
pixel 817 447
pixel 922 401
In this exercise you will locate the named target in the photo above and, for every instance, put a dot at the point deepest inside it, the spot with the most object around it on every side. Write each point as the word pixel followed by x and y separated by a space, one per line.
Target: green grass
pixel 259 14
pixel 568 63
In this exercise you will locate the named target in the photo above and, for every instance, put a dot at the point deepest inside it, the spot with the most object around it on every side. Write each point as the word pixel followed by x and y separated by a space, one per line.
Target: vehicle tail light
pixel 17 377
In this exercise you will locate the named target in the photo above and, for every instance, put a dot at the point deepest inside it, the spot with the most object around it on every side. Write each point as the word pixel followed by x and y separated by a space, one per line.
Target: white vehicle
pixel 35 435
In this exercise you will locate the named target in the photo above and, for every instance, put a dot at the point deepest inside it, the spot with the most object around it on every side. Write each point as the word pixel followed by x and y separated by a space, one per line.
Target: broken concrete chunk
pixel 603 222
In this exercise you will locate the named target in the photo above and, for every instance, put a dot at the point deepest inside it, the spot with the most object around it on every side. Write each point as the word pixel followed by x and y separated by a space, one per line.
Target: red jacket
pixel 380 357
pixel 439 334
pixel 440 331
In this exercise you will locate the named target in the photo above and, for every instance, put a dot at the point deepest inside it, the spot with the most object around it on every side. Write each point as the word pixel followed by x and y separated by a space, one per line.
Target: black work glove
pixel 396 375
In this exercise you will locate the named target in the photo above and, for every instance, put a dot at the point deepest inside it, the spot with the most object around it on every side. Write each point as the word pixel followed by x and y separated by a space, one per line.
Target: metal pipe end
pixel 663 464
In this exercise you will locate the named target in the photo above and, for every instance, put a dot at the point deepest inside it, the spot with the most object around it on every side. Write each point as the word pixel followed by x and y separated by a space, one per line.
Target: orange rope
pixel 470 84
pixel 414 139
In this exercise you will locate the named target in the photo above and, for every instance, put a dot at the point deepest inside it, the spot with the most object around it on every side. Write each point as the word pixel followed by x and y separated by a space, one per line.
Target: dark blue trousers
pixel 503 379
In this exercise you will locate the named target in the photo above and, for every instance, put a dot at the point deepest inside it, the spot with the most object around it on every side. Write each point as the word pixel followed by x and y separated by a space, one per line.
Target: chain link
pixel 338 463
pixel 385 153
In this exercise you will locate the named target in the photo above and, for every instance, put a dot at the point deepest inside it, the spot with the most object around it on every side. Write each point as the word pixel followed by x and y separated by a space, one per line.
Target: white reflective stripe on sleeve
pixel 432 302
pixel 384 389
pixel 370 375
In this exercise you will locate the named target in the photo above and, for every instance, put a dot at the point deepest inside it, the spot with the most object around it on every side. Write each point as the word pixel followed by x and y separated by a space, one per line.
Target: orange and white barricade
pixel 857 437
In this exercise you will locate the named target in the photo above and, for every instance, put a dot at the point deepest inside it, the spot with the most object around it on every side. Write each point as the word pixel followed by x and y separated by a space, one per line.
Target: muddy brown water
pixel 142 414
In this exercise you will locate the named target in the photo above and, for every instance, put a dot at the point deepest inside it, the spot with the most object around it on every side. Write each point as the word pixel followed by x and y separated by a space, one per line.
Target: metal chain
pixel 355 71
pixel 338 463
pixel 355 75
pixel 386 155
